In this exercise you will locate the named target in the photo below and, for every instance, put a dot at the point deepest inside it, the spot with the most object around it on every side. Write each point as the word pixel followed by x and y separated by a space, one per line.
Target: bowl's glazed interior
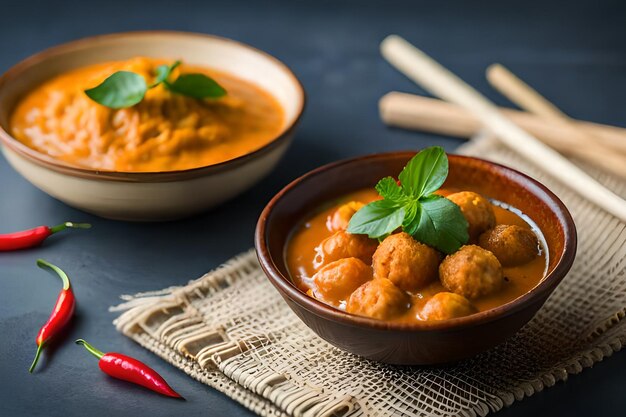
pixel 396 342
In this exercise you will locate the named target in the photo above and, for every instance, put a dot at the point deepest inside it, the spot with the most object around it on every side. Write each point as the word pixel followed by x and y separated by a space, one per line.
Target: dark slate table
pixel 573 52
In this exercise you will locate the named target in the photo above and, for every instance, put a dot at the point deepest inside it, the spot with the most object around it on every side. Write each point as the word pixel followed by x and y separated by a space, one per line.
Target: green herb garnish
pixel 429 218
pixel 196 85
pixel 163 72
pixel 122 89
pixel 125 89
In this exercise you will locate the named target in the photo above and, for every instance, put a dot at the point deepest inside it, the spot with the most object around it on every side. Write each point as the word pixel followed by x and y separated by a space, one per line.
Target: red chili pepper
pixel 128 369
pixel 33 237
pixel 61 314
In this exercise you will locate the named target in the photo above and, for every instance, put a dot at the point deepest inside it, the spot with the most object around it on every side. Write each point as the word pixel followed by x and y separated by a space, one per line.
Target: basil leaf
pixel 411 218
pixel 120 90
pixel 429 218
pixel 389 189
pixel 377 219
pixel 425 172
pixel 196 85
pixel 441 224
pixel 163 72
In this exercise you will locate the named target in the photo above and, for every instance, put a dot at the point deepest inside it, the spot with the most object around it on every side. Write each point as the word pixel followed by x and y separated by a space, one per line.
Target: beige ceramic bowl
pixel 149 196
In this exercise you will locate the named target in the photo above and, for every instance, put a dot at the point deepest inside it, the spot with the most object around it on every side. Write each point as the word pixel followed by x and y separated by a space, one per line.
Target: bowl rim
pixel 320 309
pixel 47 161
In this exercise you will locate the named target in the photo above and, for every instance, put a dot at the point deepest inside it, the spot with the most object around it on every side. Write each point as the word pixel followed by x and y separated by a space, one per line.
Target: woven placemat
pixel 231 330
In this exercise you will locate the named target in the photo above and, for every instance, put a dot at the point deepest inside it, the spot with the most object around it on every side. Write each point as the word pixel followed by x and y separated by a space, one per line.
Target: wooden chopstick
pixel 439 81
pixel 410 111
pixel 521 93
pixel 402 107
pixel 527 98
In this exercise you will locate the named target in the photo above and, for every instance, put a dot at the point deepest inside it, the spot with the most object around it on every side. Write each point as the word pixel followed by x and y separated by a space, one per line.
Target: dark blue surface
pixel 574 53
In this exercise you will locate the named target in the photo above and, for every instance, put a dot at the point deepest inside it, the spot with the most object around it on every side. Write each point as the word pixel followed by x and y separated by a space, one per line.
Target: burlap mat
pixel 231 330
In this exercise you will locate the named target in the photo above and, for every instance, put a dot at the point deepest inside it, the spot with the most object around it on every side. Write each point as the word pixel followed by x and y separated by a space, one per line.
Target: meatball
pixel 340 219
pixel 379 299
pixel 344 245
pixel 337 280
pixel 512 245
pixel 447 305
pixel 471 272
pixel 407 263
pixel 477 211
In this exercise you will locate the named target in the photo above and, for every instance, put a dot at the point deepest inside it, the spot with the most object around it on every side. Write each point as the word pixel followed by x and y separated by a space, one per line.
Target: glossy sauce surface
pixel 164 132
pixel 301 253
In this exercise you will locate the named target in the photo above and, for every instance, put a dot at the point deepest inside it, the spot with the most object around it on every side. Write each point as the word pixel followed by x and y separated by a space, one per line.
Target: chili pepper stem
pixel 95 352
pixel 37 355
pixel 69 225
pixel 45 264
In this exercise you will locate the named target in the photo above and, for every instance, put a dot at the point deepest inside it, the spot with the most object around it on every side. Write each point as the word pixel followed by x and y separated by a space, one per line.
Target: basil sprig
pixel 429 218
pixel 125 89
pixel 163 72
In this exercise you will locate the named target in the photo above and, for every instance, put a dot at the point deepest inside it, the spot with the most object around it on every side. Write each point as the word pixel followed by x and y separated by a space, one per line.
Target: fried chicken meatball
pixel 337 280
pixel 477 211
pixel 379 299
pixel 340 218
pixel 471 272
pixel 512 245
pixel 344 245
pixel 407 263
pixel 447 305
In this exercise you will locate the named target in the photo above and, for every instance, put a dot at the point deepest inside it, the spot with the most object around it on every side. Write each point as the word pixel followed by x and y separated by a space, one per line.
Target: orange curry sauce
pixel 164 132
pixel 300 253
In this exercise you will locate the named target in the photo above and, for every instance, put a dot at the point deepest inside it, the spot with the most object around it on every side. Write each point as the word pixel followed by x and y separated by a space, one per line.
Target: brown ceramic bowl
pixel 424 342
